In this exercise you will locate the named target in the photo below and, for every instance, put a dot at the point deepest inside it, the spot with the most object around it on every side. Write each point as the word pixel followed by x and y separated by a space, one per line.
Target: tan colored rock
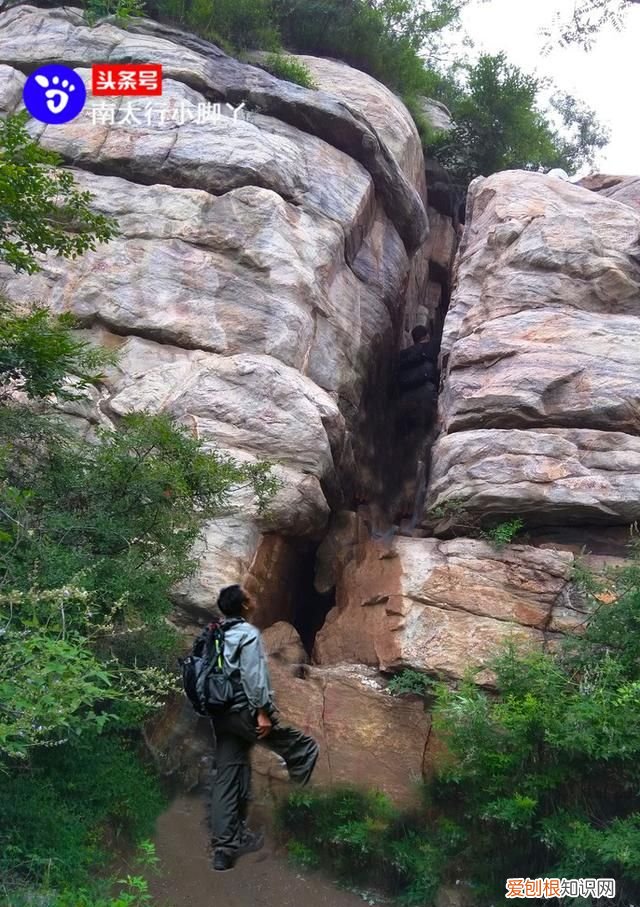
pixel 11 85
pixel 441 606
pixel 340 545
pixel 226 550
pixel 551 476
pixel 283 644
pixel 543 322
pixel 207 69
pixel 443 242
pixel 366 737
pixel 382 108
pixel 181 743
pixel 625 189
pixel 540 401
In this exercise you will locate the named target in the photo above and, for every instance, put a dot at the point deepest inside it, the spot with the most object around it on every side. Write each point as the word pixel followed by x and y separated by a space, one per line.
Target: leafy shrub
pixel 39 354
pixel 134 890
pixel 122 10
pixel 542 773
pixel 499 125
pixel 38 200
pixel 503 533
pixel 410 681
pixel 235 24
pixel 285 67
pixel 530 768
pixel 54 812
pixel 365 840
pixel 302 855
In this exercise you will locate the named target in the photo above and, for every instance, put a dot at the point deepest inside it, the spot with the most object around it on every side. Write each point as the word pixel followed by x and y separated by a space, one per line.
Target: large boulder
pixel 625 189
pixel 443 607
pixel 540 404
pixel 263 260
pixel 552 476
pixel 366 735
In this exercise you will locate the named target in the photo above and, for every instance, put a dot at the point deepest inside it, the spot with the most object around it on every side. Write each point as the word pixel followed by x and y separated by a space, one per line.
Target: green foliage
pixel 118 518
pixel 234 24
pixel 498 125
pixel 40 208
pixel 48 686
pixel 55 810
pixel 134 890
pixel 92 539
pixel 121 10
pixel 503 533
pixel 546 774
pixel 583 135
pixel 39 354
pixel 365 840
pixel 410 681
pixel 494 104
pixel 385 39
pixel 285 67
pixel 542 773
pixel 587 20
pixel 302 855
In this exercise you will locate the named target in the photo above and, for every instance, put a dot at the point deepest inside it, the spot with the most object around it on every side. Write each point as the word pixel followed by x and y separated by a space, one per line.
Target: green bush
pixel 122 10
pixel 503 533
pixel 56 811
pixel 366 841
pixel 540 777
pixel 494 104
pixel 498 123
pixel 546 774
pixel 410 681
pixel 285 67
pixel 234 24
pixel 42 210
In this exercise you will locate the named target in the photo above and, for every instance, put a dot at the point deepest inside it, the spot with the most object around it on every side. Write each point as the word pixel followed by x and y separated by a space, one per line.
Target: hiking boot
pixel 250 842
pixel 222 861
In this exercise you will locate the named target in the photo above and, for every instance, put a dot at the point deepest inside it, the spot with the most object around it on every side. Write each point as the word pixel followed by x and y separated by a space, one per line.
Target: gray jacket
pixel 246 665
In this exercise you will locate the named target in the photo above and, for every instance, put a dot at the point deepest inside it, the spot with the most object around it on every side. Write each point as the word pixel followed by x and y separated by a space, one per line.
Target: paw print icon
pixel 54 94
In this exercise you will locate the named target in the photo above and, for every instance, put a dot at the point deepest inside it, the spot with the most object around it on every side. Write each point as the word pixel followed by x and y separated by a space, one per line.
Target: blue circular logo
pixel 54 94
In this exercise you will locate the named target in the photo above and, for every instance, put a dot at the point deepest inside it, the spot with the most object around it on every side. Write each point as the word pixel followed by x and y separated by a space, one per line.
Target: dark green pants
pixel 235 735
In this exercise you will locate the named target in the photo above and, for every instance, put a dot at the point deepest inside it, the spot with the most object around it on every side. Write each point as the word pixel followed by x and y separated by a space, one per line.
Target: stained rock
pixel 366 736
pixel 442 606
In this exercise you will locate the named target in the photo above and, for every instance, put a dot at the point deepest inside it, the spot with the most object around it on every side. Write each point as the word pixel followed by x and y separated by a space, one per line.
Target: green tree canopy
pixel 41 210
pixel 499 126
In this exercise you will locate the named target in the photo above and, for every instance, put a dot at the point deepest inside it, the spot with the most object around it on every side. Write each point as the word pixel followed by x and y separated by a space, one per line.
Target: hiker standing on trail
pixel 252 718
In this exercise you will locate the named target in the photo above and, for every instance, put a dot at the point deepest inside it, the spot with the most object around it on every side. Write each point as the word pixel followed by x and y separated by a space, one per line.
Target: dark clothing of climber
pixel 251 719
pixel 415 367
pixel 416 382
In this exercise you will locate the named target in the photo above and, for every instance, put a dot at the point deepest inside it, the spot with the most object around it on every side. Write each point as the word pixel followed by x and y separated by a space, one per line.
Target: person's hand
pixel 264 724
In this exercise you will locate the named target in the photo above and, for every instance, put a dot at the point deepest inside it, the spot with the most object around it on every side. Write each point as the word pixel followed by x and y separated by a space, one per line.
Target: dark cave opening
pixel 310 606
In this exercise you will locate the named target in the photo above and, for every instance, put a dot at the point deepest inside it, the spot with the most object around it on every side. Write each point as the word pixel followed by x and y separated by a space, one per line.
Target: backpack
pixel 206 685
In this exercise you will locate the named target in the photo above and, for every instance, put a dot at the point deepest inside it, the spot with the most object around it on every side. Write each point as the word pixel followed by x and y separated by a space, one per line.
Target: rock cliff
pixel 269 262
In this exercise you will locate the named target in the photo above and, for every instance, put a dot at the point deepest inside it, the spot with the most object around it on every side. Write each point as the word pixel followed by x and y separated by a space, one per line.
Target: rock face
pixel 540 404
pixel 365 734
pixel 444 607
pixel 625 189
pixel 268 248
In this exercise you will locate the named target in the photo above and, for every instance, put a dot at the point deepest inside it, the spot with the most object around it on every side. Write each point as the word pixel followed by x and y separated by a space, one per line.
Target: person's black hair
pixel 420 332
pixel 231 599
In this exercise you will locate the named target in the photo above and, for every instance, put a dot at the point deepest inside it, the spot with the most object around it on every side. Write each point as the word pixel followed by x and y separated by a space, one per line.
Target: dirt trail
pixel 263 879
